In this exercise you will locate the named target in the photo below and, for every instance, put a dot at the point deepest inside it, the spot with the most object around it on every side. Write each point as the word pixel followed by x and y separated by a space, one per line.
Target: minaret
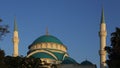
pixel 102 34
pixel 15 40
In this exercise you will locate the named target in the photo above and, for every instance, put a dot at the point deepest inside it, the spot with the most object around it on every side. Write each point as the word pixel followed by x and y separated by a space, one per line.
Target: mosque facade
pixel 52 51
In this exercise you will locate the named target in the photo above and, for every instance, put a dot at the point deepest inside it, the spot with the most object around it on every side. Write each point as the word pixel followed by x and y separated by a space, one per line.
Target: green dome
pixel 86 62
pixel 47 38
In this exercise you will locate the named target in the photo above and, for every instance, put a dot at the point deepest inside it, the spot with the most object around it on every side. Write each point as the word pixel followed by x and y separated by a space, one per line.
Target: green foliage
pixel 114 50
pixel 2 54
pixel 0 20
pixel 3 30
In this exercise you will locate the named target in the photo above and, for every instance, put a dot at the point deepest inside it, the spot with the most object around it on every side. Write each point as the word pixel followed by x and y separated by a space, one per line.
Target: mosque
pixel 51 50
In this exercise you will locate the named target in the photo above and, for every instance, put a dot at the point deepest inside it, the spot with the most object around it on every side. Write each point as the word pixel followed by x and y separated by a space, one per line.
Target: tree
pixel 1 58
pixel 2 54
pixel 114 50
pixel 3 29
pixel 0 20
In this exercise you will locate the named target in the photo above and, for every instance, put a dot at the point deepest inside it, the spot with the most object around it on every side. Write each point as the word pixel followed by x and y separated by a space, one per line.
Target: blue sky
pixel 74 22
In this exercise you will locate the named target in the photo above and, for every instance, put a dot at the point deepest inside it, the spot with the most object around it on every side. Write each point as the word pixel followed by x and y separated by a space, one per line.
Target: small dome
pixel 47 38
pixel 86 62
pixel 69 60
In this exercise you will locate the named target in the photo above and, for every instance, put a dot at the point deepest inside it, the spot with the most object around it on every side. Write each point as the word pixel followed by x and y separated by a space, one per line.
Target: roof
pixel 49 54
pixel 69 60
pixel 86 62
pixel 59 55
pixel 47 38
pixel 42 55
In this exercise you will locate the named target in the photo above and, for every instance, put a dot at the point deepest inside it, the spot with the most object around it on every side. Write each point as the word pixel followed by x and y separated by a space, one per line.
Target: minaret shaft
pixel 102 49
pixel 15 41
pixel 102 34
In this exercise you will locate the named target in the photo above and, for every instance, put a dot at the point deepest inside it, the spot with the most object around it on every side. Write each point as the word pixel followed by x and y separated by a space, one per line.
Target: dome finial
pixel 47 33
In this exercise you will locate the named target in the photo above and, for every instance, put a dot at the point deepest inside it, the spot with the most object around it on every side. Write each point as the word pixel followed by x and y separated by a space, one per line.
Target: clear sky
pixel 74 22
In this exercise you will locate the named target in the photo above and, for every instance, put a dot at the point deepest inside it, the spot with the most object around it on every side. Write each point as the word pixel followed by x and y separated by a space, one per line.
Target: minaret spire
pixel 15 40
pixel 102 16
pixel 102 35
pixel 15 25
pixel 47 33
